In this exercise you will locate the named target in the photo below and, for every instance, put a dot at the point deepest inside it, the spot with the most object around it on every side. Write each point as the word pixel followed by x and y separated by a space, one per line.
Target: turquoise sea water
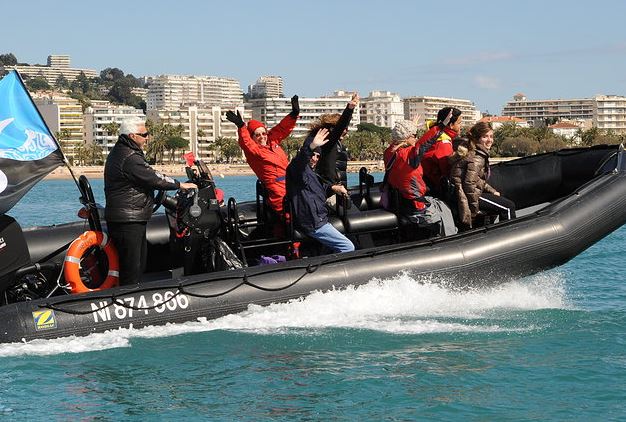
pixel 547 347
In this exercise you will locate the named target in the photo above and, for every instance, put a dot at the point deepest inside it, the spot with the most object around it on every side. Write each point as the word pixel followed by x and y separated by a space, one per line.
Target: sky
pixel 484 51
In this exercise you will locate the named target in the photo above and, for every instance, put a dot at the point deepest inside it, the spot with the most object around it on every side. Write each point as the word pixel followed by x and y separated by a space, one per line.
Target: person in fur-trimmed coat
pixel 469 174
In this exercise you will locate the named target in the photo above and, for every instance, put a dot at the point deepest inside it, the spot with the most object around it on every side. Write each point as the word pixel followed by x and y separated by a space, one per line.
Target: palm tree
pixel 112 128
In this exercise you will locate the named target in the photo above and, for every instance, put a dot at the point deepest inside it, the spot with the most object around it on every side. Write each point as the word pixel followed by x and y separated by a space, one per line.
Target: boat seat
pixel 370 221
pixel 531 210
pixel 335 221
pixel 262 225
pixel 357 221
pixel 368 199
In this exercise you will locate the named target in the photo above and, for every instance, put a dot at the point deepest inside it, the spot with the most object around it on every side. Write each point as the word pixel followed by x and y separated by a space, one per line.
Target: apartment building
pixel 381 108
pixel 540 110
pixel 566 129
pixel 57 65
pixel 170 92
pixel 98 118
pixel 609 113
pixel 201 126
pixel 272 110
pixel 427 108
pixel 64 117
pixel 267 87
pixel 499 121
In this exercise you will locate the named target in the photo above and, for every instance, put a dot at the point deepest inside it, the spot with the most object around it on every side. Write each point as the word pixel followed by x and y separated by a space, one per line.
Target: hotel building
pixel 169 92
pixel 427 108
pixel 58 65
pixel 267 87
pixel 98 116
pixel 540 110
pixel 381 108
pixel 202 125
pixel 609 113
pixel 64 117
pixel 272 110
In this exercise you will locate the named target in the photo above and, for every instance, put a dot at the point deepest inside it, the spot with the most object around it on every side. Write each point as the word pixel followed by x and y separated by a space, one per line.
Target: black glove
pixel 235 118
pixel 295 106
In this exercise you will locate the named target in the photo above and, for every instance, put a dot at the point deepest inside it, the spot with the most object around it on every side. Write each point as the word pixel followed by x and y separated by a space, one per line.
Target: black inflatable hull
pixel 495 254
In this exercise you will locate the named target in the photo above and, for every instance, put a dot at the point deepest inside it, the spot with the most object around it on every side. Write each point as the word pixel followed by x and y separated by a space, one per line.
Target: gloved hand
pixel 235 118
pixel 295 106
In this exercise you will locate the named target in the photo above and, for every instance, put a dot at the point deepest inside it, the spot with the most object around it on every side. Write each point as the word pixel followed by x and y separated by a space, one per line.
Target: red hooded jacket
pixel 435 161
pixel 269 162
pixel 405 174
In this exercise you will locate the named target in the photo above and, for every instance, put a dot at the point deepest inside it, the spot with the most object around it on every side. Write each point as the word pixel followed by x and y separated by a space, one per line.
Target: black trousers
pixel 132 249
pixel 496 205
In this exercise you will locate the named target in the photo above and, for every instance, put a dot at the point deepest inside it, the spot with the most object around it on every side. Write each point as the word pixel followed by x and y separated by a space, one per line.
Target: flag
pixel 190 158
pixel 28 150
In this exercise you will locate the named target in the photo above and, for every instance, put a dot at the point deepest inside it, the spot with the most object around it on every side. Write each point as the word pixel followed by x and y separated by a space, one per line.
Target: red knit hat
pixel 254 125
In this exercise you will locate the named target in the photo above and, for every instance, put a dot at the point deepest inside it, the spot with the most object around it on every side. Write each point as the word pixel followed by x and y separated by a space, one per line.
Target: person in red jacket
pixel 403 171
pixel 435 161
pixel 264 153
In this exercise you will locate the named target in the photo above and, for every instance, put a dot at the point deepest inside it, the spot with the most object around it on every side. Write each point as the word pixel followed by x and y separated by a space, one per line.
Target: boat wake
pixel 402 305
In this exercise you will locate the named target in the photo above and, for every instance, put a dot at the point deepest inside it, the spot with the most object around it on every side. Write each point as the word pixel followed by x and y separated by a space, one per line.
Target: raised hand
pixel 321 138
pixel 235 118
pixel 295 106
pixel 354 100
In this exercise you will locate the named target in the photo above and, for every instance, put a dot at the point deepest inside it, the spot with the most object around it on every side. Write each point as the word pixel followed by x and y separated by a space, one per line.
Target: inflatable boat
pixel 207 260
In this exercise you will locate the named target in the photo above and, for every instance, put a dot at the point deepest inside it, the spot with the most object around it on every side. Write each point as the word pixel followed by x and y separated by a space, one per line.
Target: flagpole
pixel 65 160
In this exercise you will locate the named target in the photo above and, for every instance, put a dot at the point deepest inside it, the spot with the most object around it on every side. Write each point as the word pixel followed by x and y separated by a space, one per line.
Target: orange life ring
pixel 77 249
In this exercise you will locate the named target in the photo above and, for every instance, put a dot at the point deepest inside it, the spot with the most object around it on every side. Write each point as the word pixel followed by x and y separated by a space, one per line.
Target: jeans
pixel 329 236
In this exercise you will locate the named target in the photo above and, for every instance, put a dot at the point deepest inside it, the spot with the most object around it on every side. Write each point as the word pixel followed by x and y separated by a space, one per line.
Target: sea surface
pixel 547 347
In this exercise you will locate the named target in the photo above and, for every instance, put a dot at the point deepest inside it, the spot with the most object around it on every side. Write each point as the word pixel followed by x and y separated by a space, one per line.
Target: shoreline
pixel 175 170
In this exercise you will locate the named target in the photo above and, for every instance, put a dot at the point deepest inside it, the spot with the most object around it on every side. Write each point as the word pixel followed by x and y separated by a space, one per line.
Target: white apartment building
pixel 382 108
pixel 499 121
pixel 98 116
pixel 609 113
pixel 539 110
pixel 140 92
pixel 59 60
pixel 272 110
pixel 57 66
pixel 170 92
pixel 267 87
pixel 201 126
pixel 428 107
pixel 64 118
pixel 566 129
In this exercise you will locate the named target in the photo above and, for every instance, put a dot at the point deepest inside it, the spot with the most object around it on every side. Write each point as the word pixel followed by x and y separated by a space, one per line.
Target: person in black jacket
pixel 333 164
pixel 307 194
pixel 129 185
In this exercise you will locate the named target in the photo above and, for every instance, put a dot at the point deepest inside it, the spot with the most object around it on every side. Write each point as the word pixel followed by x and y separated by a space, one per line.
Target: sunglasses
pixel 143 135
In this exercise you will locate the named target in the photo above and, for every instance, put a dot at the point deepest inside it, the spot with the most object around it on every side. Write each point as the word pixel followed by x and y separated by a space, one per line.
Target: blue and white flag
pixel 28 150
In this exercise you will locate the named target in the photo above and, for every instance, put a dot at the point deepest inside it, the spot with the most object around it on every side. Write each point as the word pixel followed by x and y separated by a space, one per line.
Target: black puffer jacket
pixel 129 183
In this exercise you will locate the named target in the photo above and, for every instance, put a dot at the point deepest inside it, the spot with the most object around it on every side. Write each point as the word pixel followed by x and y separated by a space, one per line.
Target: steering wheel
pixel 158 200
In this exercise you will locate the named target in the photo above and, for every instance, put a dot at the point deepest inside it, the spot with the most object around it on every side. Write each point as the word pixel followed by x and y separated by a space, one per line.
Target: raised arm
pixel 245 140
pixel 301 160
pixel 327 167
pixel 283 129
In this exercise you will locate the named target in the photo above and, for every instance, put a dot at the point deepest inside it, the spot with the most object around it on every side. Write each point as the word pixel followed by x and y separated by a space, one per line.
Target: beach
pixel 218 170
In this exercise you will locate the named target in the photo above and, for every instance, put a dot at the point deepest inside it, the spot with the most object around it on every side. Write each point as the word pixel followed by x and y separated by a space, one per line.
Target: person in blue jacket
pixel 307 193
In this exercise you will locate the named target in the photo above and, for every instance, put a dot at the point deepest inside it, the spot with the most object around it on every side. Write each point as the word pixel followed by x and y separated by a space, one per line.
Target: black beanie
pixel 443 113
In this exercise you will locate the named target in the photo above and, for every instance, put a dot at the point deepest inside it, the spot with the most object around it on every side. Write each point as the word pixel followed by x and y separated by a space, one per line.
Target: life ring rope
pixel 75 253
